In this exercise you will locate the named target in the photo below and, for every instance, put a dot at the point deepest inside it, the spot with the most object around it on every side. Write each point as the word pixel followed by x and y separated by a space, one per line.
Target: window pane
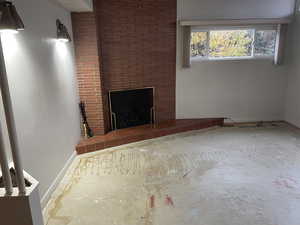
pixel 231 43
pixel 199 44
pixel 265 43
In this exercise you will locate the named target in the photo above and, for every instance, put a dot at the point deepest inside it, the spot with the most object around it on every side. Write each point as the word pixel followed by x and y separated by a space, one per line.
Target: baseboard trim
pixel 292 125
pixel 251 123
pixel 233 124
pixel 46 197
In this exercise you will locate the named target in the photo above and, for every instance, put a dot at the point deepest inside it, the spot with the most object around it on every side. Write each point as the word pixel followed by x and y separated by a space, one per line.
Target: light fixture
pixel 62 32
pixel 10 21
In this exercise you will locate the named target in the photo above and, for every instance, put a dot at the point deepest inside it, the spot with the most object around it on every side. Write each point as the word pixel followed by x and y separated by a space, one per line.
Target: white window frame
pixel 236 58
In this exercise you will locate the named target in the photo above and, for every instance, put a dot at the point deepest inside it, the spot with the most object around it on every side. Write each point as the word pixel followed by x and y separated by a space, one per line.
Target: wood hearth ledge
pixel 140 133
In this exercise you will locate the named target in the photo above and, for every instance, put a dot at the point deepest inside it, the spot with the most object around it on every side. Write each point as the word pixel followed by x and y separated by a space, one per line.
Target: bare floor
pixel 219 176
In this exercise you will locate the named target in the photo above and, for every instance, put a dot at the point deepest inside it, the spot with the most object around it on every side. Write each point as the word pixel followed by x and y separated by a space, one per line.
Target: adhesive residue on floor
pixel 219 176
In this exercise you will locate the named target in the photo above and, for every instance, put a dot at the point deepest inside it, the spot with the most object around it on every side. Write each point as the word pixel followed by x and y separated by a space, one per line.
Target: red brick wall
pixel 138 46
pixel 128 44
pixel 88 69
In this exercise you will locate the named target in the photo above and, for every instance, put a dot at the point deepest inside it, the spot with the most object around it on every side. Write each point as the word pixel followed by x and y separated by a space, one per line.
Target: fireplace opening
pixel 129 108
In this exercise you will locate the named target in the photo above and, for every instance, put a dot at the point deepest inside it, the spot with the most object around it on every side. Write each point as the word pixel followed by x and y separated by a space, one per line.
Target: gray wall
pixel 44 91
pixel 248 90
pixel 292 113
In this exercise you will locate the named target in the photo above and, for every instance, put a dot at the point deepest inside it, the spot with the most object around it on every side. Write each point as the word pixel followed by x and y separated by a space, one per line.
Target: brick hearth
pixel 134 134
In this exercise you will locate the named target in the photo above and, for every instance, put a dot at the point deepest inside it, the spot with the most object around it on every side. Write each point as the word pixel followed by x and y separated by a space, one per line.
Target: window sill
pixel 200 59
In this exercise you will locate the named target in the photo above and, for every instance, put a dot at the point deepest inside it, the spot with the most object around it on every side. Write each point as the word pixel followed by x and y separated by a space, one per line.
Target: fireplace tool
pixel 87 131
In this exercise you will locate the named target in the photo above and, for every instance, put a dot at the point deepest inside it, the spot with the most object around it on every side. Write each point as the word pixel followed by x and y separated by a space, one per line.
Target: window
pixel 199 44
pixel 232 43
pixel 265 43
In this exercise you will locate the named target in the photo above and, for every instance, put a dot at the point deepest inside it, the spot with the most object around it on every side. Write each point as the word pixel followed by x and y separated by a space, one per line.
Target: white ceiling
pixel 234 9
pixel 77 5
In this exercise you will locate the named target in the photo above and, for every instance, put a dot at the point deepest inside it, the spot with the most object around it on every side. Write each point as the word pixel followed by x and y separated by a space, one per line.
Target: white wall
pixel 242 90
pixel 249 90
pixel 292 113
pixel 44 91
pixel 234 9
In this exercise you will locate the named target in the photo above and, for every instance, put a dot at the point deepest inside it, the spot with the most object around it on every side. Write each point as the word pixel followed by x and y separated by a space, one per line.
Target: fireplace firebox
pixel 129 108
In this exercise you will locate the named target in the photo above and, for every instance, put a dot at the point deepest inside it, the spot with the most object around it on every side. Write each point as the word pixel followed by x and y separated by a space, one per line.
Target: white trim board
pixel 46 197
pixel 235 22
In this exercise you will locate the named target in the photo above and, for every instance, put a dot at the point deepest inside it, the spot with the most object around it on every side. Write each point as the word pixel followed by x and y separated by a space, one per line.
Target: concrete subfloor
pixel 217 176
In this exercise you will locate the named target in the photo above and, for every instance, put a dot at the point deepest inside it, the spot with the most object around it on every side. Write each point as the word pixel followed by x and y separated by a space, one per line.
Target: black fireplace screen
pixel 131 108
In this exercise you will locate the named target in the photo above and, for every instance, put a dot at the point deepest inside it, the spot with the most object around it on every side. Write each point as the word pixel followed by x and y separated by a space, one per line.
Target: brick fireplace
pixel 125 45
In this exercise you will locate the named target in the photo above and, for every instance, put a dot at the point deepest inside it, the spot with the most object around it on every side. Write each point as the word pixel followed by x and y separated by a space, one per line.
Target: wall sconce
pixel 10 21
pixel 62 32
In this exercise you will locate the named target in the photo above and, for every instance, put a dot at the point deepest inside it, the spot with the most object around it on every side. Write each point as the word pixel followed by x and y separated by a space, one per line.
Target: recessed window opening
pixel 233 43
